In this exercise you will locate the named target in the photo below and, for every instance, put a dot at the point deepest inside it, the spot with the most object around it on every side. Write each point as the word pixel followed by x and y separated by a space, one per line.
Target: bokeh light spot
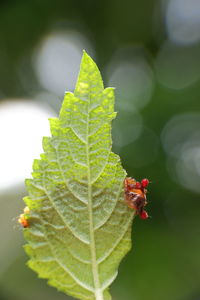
pixel 57 60
pixel 22 125
pixel 188 165
pixel 133 78
pixel 183 21
pixel 181 141
pixel 127 127
pixel 178 67
pixel 178 130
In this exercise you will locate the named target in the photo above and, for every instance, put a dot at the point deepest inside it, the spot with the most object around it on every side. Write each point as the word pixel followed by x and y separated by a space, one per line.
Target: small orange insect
pixel 135 195
pixel 23 218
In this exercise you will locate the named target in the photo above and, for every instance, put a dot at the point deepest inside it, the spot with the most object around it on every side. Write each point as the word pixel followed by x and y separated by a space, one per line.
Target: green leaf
pixel 80 226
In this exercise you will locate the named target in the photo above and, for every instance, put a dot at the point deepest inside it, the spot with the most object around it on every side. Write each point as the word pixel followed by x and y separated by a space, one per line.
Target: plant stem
pixel 99 295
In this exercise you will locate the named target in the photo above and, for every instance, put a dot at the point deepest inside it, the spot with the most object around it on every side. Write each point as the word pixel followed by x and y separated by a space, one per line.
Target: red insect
pixel 135 195
pixel 23 220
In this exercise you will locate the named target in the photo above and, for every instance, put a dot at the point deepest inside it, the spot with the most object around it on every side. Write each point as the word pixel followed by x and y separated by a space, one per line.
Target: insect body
pixel 135 195
pixel 23 219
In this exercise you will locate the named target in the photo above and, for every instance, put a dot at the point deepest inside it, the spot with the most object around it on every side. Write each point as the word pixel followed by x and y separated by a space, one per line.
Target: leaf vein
pixel 107 254
pixel 82 284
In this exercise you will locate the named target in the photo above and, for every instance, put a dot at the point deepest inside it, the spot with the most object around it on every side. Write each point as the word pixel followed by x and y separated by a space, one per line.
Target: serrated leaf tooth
pixel 45 268
pixel 35 235
pixel 108 282
pixel 54 126
pixel 39 252
pixel 73 290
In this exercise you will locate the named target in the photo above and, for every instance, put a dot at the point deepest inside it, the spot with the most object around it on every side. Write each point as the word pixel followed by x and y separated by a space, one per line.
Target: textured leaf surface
pixel 79 224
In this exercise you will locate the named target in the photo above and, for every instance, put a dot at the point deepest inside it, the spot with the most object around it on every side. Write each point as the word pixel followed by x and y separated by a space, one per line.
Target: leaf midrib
pixel 97 287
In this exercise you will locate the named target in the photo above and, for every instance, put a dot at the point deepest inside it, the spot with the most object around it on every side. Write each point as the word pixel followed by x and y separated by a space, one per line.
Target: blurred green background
pixel 150 51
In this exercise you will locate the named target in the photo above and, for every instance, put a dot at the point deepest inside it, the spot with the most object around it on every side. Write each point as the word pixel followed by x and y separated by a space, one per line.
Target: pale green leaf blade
pixel 80 226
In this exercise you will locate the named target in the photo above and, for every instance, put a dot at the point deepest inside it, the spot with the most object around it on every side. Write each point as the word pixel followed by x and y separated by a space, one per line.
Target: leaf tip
pixel 85 53
pixel 87 58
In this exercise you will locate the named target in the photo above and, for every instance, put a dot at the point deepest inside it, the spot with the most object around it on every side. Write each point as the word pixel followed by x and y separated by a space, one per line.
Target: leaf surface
pixel 79 224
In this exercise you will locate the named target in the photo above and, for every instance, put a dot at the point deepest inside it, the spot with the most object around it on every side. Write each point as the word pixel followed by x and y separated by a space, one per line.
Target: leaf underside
pixel 79 224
